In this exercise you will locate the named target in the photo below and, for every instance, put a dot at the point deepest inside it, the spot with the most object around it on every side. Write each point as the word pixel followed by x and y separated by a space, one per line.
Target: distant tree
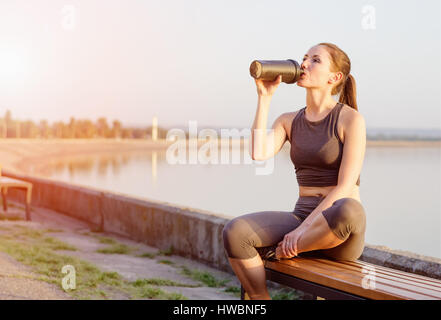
pixel 8 118
pixel 17 129
pixel 75 128
pixel 102 127
pixel 116 130
pixel 29 129
pixel 139 133
pixel 44 129
pixel 71 128
pixel 88 129
pixel 58 128
pixel 10 126
pixel 127 133
pixel 3 129
pixel 162 133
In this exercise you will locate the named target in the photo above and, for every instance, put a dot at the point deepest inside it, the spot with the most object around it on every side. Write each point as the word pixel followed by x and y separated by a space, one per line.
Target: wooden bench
pixel 7 183
pixel 329 279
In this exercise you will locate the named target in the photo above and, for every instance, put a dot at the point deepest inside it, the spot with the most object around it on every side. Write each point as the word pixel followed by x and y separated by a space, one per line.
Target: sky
pixel 184 61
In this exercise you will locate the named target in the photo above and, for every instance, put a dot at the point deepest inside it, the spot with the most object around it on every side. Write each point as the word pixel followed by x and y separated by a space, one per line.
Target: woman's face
pixel 316 64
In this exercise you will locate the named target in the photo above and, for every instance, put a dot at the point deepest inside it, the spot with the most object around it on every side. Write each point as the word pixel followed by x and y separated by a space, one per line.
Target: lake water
pixel 400 188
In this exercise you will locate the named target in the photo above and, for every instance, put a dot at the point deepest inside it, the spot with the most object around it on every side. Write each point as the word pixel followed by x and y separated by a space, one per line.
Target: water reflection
pixel 154 167
pixel 101 164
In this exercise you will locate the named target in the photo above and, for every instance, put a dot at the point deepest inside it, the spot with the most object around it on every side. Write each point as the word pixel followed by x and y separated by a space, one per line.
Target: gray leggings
pixel 244 235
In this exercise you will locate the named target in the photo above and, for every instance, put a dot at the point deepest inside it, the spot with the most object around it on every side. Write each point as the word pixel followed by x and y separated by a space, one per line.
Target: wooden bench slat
pixel 390 270
pixel 6 183
pixel 14 182
pixel 399 287
pixel 347 277
pixel 433 284
pixel 408 287
pixel 416 277
pixel 406 278
pixel 398 283
pixel 349 284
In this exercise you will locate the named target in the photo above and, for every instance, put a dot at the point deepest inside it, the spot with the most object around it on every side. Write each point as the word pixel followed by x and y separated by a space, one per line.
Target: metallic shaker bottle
pixel 270 69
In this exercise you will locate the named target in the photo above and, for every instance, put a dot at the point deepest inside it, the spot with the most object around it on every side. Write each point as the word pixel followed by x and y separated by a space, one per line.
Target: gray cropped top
pixel 316 149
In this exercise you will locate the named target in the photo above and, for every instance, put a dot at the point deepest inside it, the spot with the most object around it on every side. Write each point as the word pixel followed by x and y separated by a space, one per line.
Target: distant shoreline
pixel 20 155
pixel 369 143
pixel 403 143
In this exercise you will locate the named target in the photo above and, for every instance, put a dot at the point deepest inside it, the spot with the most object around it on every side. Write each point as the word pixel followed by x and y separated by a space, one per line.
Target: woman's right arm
pixel 264 146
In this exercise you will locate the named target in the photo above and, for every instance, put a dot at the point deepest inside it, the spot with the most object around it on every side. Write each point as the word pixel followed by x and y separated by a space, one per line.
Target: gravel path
pixel 18 282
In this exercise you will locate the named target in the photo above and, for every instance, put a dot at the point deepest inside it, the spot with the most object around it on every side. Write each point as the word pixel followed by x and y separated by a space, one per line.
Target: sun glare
pixel 13 66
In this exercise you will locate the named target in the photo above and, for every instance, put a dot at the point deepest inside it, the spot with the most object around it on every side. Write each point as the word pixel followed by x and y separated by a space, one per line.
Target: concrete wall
pixel 192 233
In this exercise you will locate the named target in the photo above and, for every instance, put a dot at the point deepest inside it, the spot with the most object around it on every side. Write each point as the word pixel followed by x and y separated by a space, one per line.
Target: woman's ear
pixel 335 77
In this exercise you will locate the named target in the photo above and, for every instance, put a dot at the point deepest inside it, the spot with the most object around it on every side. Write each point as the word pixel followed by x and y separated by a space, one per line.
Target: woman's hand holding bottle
pixel 267 88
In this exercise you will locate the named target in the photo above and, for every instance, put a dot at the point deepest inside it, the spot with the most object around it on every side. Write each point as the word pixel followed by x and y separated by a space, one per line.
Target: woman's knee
pixel 236 243
pixel 349 210
pixel 345 216
pixel 232 229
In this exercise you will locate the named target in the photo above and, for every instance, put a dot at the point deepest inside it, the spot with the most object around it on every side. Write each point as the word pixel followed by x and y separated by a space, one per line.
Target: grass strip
pixel 118 248
pixel 161 282
pixel 33 248
pixel 205 277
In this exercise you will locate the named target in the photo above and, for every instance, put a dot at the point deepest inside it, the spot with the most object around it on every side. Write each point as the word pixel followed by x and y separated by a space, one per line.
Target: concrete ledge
pixel 192 233
pixel 402 260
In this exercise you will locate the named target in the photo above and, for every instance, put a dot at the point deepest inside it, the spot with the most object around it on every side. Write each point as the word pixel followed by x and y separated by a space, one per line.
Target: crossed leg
pixel 338 232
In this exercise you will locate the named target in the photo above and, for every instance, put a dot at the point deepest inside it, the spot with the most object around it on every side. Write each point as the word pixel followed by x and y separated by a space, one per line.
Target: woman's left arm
pixel 350 168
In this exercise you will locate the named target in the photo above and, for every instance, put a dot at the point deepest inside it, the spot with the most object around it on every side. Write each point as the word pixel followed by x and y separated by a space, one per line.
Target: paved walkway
pixel 17 281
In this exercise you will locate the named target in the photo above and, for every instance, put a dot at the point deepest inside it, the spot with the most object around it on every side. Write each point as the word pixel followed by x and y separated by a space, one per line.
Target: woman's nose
pixel 303 65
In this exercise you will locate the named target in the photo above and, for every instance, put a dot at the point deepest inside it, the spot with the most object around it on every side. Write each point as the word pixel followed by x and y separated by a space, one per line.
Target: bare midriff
pixel 324 191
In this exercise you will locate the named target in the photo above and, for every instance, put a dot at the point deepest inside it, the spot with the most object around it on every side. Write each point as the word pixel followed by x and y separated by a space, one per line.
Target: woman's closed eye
pixel 315 60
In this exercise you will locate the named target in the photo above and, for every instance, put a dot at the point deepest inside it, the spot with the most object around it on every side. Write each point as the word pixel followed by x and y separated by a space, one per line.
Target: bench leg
pixel 243 294
pixel 28 203
pixel 28 212
pixel 309 296
pixel 5 202
pixel 312 296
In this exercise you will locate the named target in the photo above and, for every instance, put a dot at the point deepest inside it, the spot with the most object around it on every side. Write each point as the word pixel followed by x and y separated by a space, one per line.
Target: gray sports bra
pixel 316 149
